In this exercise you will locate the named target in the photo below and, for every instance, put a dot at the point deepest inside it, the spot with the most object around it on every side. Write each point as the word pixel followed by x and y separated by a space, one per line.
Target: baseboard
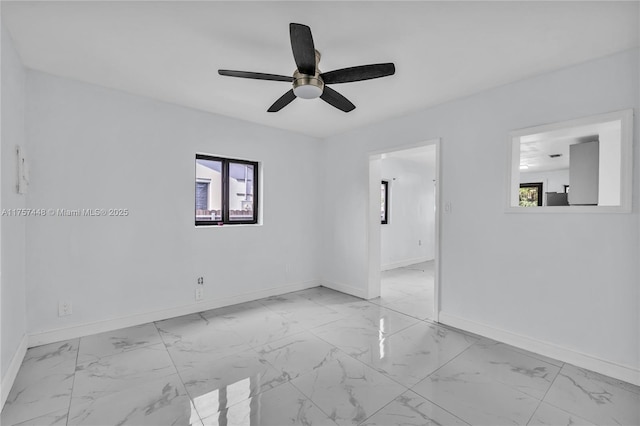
pixel 12 371
pixel 73 332
pixel 402 263
pixel 579 359
pixel 347 289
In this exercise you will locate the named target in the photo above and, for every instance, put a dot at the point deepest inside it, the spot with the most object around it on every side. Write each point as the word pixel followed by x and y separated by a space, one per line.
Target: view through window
pixel 225 191
pixel 530 194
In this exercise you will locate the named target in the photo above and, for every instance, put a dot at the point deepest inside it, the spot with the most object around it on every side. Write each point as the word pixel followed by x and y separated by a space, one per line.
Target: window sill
pixel 237 225
pixel 568 209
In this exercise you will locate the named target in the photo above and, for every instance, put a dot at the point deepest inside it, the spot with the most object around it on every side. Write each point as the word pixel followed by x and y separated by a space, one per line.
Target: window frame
pixel 512 170
pixel 225 191
pixel 538 186
pixel 385 183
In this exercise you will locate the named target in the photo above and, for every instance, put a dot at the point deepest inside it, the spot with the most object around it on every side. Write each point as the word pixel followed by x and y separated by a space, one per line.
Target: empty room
pixel 320 213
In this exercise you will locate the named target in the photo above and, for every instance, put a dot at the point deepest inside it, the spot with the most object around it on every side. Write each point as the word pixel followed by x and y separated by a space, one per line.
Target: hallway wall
pixel 409 235
pixel 13 250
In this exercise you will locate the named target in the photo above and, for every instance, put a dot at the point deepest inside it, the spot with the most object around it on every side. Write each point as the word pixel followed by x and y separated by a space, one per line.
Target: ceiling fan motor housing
pixel 308 86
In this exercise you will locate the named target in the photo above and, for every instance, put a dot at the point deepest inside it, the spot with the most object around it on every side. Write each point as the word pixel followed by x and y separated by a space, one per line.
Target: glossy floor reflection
pixel 408 289
pixel 314 357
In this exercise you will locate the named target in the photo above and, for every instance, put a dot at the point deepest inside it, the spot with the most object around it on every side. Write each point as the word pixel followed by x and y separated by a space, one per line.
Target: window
pixel 586 165
pixel 384 202
pixel 225 191
pixel 530 194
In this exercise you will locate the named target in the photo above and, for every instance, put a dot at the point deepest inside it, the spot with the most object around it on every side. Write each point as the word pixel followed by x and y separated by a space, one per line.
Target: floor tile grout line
pixel 290 381
pixel 407 388
pixel 521 352
pixel 513 387
pixel 311 401
pixel 442 408
pixel 251 396
pixel 249 348
pixel 504 384
pixel 384 406
pixel 395 310
pixel 434 372
pixel 73 384
pixel 269 342
pixel 126 350
pixel 178 372
pixel 442 366
pixel 367 365
pixel 556 405
pixel 371 328
pixel 70 395
pixel 305 328
pixel 391 378
pixel 545 395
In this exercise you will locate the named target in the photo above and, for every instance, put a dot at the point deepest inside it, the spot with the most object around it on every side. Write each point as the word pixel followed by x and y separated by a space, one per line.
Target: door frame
pixel 373 221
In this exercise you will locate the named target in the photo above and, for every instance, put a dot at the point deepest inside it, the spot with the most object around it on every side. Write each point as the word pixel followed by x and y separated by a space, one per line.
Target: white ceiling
pixel 171 50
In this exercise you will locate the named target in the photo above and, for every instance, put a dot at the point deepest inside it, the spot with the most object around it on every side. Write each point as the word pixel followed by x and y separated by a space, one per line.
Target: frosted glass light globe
pixel 307 91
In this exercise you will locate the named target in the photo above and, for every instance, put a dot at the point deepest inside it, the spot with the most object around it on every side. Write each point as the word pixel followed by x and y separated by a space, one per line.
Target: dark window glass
pixel 384 202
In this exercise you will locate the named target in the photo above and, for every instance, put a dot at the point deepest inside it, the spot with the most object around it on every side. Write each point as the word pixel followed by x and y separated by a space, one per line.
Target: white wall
pixel 585 300
pixel 411 213
pixel 609 166
pixel 12 227
pixel 99 148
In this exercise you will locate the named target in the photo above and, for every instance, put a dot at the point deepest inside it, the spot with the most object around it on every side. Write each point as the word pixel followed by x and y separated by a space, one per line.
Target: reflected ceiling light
pixel 523 167
pixel 381 335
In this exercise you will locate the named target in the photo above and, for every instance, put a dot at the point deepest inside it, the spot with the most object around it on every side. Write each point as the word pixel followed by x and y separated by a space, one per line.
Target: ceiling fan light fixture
pixel 307 86
pixel 307 91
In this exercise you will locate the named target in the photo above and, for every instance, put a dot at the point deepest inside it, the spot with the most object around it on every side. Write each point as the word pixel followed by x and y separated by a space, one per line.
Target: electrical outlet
pixel 65 308
pixel 199 293
pixel 447 207
pixel 200 280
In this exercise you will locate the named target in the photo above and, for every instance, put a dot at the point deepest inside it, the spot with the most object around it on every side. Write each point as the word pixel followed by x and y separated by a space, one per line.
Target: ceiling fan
pixel 308 81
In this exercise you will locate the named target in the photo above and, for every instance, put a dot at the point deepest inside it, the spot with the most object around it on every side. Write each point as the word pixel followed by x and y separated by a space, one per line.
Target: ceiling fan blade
pixel 335 99
pixel 359 73
pixel 282 102
pixel 304 52
pixel 255 75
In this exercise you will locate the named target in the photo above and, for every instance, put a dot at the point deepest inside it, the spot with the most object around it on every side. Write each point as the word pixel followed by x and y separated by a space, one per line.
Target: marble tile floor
pixel 408 289
pixel 314 357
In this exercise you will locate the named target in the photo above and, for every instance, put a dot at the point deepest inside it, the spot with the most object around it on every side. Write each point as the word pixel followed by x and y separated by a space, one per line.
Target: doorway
pixel 404 230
